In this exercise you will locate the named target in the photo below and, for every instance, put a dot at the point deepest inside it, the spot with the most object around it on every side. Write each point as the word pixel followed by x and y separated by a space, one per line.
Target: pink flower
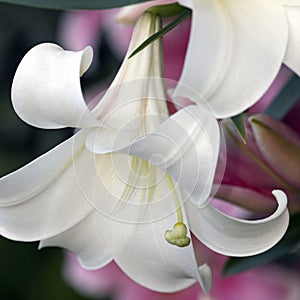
pixel 264 283
pixel 78 29
pixel 110 280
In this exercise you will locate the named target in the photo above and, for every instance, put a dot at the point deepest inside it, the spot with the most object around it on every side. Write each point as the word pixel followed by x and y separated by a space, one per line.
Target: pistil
pixel 178 235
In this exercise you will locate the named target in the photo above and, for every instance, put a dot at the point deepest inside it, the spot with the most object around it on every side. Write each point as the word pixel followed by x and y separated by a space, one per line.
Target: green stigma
pixel 178 235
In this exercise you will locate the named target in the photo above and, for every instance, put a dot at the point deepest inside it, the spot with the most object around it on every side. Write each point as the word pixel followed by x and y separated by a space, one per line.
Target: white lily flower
pixel 133 182
pixel 236 49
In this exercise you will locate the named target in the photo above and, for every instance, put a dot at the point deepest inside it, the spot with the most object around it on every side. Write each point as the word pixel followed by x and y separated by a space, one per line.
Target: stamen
pixel 151 183
pixel 147 170
pixel 139 168
pixel 135 174
pixel 130 185
pixel 178 235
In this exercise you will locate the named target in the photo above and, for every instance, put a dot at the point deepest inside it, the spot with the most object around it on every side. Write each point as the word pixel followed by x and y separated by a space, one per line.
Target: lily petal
pixel 286 2
pixel 292 57
pixel 166 268
pixel 138 83
pixel 119 186
pixel 236 237
pixel 236 65
pixel 125 122
pixel 139 211
pixel 85 240
pixel 46 89
pixel 43 199
pixel 186 149
pixel 209 48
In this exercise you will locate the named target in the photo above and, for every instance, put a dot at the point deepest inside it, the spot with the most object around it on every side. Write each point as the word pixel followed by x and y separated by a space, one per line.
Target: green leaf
pixel 285 100
pixel 162 32
pixel 238 122
pixel 74 4
pixel 288 244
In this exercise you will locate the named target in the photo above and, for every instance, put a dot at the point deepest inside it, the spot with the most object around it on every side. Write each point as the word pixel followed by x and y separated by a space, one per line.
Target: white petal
pixel 111 183
pixel 236 237
pixel 85 240
pixel 43 199
pixel 137 214
pixel 138 83
pixel 247 62
pixel 131 220
pixel 185 146
pixel 144 255
pixel 209 48
pixel 286 2
pixel 119 186
pixel 46 89
pixel 105 140
pixel 136 102
pixel 292 57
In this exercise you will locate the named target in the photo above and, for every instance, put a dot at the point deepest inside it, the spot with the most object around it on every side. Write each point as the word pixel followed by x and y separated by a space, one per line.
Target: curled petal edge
pixel 236 237
pixel 46 90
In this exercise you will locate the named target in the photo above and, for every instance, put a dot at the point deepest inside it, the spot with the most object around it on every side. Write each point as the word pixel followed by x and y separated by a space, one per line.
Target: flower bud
pixel 280 147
